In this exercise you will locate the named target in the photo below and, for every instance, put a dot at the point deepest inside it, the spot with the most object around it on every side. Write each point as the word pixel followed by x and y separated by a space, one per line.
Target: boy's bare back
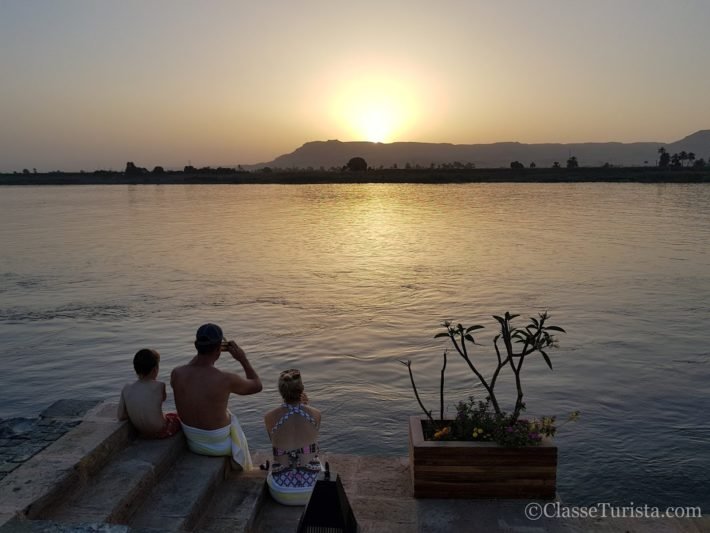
pixel 141 402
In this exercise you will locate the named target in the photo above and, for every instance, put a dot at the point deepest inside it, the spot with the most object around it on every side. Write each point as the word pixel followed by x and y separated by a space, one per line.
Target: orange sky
pixel 90 85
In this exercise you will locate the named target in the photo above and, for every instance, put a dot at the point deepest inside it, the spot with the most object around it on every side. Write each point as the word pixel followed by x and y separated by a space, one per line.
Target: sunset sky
pixel 92 84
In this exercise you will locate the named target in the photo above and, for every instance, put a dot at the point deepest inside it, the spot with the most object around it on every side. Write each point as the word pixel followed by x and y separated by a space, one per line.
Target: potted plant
pixel 486 452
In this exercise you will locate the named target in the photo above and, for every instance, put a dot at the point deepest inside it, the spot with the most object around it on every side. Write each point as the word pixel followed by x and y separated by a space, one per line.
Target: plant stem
pixel 480 377
pixel 416 393
pixel 441 389
pixel 519 386
pixel 500 366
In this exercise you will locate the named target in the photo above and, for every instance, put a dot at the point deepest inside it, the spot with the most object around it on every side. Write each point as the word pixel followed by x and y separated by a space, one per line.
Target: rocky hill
pixel 335 153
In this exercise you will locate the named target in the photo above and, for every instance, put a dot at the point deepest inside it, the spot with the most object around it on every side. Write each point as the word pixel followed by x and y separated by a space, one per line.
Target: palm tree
pixel 683 157
pixel 691 158
pixel 664 158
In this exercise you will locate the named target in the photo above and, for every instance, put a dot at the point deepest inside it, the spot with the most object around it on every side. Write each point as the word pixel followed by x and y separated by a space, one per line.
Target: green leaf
pixel 547 359
pixel 472 328
pixel 534 321
pixel 510 317
pixel 499 319
pixel 441 335
pixel 469 337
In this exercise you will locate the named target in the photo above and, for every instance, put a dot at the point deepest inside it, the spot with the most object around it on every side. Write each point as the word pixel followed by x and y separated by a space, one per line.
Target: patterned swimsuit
pixel 288 472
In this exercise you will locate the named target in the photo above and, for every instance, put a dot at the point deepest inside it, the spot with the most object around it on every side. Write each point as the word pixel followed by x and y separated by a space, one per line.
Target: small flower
pixel 477 433
pixel 443 432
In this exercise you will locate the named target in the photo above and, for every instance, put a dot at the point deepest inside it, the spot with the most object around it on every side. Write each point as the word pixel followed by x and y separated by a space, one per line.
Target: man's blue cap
pixel 208 334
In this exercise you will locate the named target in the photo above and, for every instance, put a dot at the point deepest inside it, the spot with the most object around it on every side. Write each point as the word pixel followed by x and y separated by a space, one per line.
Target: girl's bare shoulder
pixel 272 416
pixel 315 413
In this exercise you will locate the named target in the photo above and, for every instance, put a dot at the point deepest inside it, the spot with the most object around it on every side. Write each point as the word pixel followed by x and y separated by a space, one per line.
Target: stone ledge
pixel 74 456
pixel 73 409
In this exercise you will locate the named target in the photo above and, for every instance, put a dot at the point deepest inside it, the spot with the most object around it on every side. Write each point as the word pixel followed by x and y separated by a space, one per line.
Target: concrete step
pixel 178 500
pixel 72 459
pixel 234 504
pixel 112 494
pixel 47 526
pixel 272 516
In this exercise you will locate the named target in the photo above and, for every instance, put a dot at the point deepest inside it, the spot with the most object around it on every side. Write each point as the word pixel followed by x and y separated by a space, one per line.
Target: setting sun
pixel 375 124
pixel 376 110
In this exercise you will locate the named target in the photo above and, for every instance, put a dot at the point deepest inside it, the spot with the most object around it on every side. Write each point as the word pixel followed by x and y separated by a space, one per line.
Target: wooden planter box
pixel 462 469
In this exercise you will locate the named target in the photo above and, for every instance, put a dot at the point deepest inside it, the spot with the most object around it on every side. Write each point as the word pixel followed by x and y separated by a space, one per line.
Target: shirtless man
pixel 201 390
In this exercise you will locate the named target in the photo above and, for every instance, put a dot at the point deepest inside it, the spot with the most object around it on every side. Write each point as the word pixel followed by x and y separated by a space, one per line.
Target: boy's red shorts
pixel 172 426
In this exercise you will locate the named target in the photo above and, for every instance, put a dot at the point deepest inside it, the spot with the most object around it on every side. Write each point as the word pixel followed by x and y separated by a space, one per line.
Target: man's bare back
pixel 202 391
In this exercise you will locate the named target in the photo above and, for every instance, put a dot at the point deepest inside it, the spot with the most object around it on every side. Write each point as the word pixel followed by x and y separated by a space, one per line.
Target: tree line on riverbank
pixel 649 174
pixel 678 160
pixel 681 166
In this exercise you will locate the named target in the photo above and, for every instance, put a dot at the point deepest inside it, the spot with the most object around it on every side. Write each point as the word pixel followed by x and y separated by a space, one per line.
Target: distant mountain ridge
pixel 335 153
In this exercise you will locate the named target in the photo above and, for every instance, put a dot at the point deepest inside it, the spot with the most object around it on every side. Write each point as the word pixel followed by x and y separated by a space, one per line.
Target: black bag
pixel 328 510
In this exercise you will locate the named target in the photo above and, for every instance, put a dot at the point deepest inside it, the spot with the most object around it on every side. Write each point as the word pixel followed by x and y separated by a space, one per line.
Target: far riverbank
pixel 432 176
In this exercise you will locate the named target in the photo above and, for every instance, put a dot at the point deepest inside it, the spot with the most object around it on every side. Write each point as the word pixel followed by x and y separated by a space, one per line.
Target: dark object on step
pixel 265 466
pixel 328 510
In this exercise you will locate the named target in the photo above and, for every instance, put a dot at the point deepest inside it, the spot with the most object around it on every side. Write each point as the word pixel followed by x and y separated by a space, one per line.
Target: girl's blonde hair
pixel 290 385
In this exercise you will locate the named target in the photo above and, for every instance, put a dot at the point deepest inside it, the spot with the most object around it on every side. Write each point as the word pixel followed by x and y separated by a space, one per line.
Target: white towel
pixel 229 440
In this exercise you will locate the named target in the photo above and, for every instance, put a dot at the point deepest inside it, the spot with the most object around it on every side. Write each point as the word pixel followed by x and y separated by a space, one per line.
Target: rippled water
pixel 344 281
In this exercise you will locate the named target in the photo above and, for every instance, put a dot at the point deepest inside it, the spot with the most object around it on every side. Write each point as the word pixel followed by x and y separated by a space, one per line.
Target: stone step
pixel 75 457
pixel 47 526
pixel 178 500
pixel 234 504
pixel 272 516
pixel 112 494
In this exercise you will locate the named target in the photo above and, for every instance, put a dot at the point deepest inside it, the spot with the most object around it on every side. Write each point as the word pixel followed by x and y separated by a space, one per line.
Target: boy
pixel 141 401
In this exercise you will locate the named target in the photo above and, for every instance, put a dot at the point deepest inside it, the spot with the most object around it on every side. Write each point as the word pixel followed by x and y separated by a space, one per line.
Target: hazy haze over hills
pixel 336 153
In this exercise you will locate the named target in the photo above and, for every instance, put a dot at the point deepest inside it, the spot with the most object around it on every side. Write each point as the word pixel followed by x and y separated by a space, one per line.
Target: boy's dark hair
pixel 145 361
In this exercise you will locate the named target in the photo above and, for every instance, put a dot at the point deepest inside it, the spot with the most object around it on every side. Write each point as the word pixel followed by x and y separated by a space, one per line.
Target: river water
pixel 344 281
